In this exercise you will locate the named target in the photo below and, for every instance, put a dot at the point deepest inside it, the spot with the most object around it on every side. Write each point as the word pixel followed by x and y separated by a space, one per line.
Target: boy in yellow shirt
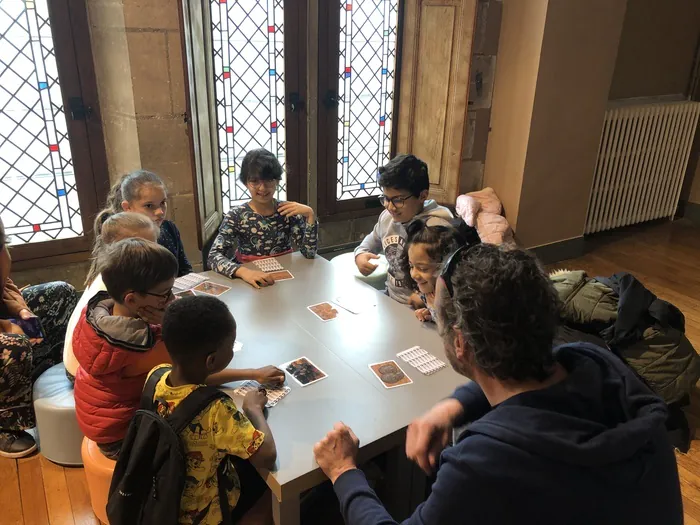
pixel 199 333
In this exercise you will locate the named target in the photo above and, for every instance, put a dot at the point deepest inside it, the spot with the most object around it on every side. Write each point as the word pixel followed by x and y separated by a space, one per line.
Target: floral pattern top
pixel 249 233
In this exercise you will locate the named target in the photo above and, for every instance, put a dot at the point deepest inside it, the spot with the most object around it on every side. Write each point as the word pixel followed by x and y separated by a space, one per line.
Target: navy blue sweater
pixel 591 449
pixel 170 238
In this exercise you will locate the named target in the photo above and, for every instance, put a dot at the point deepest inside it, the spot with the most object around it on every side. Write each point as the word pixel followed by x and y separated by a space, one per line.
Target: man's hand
pixel 255 278
pixel 428 435
pixel 337 452
pixel 423 315
pixel 290 209
pixel 151 315
pixel 254 400
pixel 362 261
pixel 14 301
pixel 269 375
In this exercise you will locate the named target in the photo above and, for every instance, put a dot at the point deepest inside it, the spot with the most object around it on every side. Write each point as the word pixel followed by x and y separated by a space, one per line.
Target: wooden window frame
pixel 195 21
pixel 76 73
pixel 329 208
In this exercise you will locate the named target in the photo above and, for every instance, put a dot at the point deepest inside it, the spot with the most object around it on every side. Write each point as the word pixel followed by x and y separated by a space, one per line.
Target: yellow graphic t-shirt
pixel 218 431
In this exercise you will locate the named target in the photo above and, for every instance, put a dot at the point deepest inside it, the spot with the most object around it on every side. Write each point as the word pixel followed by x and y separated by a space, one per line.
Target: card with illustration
pixel 185 293
pixel 283 275
pixel 211 288
pixel 390 374
pixel 324 311
pixel 304 371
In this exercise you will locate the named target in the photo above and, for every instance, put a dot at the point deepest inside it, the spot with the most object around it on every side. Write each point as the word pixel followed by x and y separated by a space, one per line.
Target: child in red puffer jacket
pixel 117 340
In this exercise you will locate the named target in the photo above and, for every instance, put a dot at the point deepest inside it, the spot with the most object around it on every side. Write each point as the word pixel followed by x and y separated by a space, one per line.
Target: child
pixel 262 227
pixel 144 192
pixel 199 333
pixel 114 344
pixel 117 340
pixel 426 249
pixel 116 227
pixel 404 182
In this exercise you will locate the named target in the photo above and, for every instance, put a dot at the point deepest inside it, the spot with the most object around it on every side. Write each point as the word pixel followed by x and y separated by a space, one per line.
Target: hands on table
pixel 255 278
pixel 426 438
pixel 337 452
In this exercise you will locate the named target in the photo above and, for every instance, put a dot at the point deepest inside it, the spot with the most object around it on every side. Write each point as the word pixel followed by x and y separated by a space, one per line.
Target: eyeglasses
pixel 162 296
pixel 450 264
pixel 256 183
pixel 397 202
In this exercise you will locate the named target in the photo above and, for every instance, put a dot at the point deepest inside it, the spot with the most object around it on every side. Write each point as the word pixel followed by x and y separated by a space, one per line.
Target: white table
pixel 275 327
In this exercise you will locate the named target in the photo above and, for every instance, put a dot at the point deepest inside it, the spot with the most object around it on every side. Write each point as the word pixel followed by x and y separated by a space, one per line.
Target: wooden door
pixel 436 55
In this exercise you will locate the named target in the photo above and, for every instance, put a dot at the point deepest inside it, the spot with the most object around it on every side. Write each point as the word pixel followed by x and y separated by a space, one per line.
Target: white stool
pixel 58 435
pixel 377 279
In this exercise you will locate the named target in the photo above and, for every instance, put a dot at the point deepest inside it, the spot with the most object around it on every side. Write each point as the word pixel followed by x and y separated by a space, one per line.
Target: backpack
pixel 149 477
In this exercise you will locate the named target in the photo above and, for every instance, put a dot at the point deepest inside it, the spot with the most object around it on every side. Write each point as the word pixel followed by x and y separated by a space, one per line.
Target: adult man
pixel 569 436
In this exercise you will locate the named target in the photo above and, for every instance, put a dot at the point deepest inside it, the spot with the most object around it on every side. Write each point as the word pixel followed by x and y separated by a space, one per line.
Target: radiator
pixel 641 162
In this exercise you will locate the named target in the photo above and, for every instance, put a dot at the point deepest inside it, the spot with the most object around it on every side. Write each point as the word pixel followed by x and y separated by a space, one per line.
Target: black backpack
pixel 149 477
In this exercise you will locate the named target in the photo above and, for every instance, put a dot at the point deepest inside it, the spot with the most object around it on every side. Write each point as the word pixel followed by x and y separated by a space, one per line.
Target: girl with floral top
pixel 263 227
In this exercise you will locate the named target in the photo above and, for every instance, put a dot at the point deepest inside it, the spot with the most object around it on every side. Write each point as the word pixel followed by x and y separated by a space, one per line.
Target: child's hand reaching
pixel 255 278
pixel 254 400
pixel 423 315
pixel 269 375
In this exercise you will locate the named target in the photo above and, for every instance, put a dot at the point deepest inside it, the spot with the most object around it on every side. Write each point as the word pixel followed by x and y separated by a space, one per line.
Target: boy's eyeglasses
pixel 397 202
pixel 256 183
pixel 162 296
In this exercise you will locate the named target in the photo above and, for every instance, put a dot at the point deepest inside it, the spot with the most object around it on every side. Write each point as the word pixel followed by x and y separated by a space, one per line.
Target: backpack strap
pixel 149 389
pixel 192 405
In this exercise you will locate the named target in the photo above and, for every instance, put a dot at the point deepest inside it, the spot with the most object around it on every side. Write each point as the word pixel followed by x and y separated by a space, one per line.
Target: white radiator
pixel 641 162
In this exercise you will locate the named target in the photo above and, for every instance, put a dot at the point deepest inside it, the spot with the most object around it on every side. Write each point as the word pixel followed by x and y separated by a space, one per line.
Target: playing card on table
pixel 411 353
pixel 423 361
pixel 269 265
pixel 188 281
pixel 274 393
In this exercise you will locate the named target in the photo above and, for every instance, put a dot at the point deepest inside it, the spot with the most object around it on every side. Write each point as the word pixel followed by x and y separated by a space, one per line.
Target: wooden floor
pixel 665 257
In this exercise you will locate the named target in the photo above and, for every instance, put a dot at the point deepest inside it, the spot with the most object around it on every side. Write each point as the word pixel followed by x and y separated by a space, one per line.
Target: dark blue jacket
pixel 590 450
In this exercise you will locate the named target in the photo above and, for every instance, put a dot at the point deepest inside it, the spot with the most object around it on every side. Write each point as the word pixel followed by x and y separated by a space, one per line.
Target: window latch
pixel 296 103
pixel 78 109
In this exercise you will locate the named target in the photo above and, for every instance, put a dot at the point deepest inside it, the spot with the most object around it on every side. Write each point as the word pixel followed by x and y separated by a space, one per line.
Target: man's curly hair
pixel 507 309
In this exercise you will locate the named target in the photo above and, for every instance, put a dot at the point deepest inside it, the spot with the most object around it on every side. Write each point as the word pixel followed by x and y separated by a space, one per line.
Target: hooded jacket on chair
pixel 115 354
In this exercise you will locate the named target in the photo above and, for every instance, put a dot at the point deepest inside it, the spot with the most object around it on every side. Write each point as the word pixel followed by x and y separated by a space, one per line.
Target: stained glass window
pixel 38 196
pixel 248 43
pixel 365 93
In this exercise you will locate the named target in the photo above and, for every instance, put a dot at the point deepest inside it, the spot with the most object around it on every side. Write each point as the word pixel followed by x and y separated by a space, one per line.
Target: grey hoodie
pixel 389 237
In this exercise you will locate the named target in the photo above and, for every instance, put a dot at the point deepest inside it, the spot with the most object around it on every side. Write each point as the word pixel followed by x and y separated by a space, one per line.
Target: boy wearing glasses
pixel 262 227
pixel 404 182
pixel 117 339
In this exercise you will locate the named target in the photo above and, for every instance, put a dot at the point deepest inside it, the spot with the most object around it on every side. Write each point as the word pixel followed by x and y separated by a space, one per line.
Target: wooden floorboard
pixel 10 501
pixel 31 485
pixel 665 257
pixel 57 498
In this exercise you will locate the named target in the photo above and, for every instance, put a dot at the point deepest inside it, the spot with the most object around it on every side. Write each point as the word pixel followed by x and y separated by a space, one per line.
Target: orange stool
pixel 98 471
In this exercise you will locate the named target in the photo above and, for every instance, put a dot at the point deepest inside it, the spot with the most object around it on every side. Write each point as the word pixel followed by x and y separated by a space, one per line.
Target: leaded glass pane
pixel 248 41
pixel 366 93
pixel 38 196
